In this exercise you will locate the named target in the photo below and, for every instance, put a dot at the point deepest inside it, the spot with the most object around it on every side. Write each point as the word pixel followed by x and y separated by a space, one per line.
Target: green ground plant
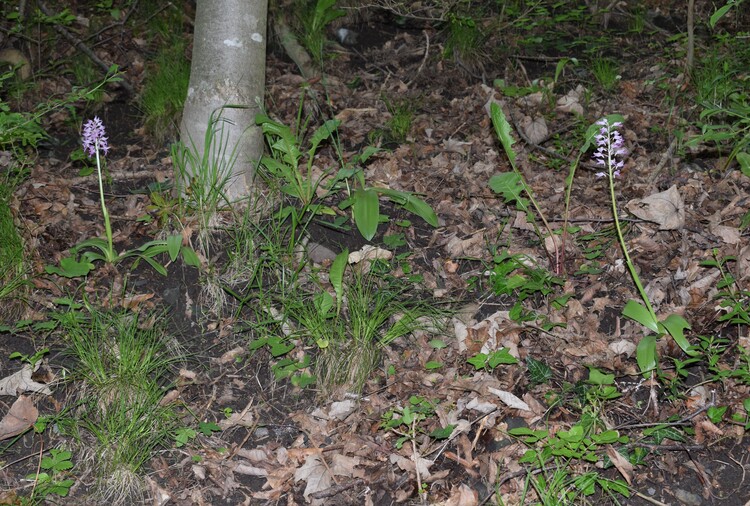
pixel 84 254
pixel 605 72
pixel 164 92
pixel 121 365
pixel 319 194
pixel 202 178
pixel 314 20
pixel 53 477
pixel 13 266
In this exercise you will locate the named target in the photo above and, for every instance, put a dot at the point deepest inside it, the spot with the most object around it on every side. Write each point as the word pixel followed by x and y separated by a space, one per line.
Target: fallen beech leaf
pixel 20 382
pixel 535 129
pixel 665 209
pixel 509 399
pixel 369 252
pixel 21 416
pixel 315 473
pixel 621 463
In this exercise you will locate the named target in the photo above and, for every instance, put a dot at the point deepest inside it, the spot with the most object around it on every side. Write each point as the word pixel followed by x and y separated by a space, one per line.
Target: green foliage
pixel 314 20
pixel 316 194
pixel 409 422
pixel 164 92
pixel 605 72
pixel 203 177
pixel 511 186
pixel 491 361
pixel 121 367
pixel 52 481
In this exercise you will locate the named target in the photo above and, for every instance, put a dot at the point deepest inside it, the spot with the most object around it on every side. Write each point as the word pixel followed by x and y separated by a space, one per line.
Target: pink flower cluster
pixel 610 148
pixel 94 138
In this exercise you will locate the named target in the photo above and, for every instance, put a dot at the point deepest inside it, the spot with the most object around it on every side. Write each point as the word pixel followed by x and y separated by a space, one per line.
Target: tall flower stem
pixel 626 254
pixel 111 255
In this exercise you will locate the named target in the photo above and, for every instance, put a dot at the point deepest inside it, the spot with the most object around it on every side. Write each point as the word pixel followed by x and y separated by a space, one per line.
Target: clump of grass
pixel 13 268
pixel 164 92
pixel 465 42
pixel 605 72
pixel 120 368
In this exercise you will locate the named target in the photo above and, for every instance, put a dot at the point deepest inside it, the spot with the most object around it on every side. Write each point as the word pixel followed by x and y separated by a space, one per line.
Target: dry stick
pixel 78 44
pixel 665 157
pixel 424 59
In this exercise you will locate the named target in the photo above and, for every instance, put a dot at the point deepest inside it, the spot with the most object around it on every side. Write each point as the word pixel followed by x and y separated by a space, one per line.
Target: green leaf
pixel 433 364
pixel 70 268
pixel 336 275
pixel 478 361
pixel 366 211
pixel 743 158
pixel 507 184
pixel 322 133
pixel 720 13
pixel 174 242
pixel 501 356
pixel 645 354
pixel 437 344
pixel 502 130
pixel 675 325
pixel 529 436
pixel 638 312
pixel 190 257
pixel 279 348
pixel 596 377
pixel 443 433
pixel 715 414
pixel 411 203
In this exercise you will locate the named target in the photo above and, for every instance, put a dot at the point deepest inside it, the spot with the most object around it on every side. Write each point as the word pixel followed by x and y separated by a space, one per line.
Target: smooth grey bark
pixel 228 69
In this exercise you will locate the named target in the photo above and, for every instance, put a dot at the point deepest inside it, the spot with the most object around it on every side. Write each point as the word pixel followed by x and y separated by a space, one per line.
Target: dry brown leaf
pixel 665 209
pixel 621 463
pixel 20 382
pixel 315 473
pixel 21 416
pixel 535 129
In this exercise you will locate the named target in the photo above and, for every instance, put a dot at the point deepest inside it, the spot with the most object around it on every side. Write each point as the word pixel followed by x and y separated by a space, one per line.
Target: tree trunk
pixel 228 69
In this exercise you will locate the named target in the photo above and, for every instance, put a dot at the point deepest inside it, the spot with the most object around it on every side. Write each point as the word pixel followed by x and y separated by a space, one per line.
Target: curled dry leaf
pixel 665 209
pixel 535 129
pixel 20 382
pixel 21 416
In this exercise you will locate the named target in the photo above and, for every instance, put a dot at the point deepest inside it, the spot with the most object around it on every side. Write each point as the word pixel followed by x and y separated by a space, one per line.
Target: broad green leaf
pixel 323 302
pixel 174 243
pixel 675 326
pixel 412 203
pixel 433 364
pixel 190 257
pixel 336 275
pixel 366 211
pixel 596 377
pixel 323 132
pixel 443 433
pixel 638 312
pixel 502 130
pixel 720 13
pixel 437 344
pixel 501 356
pixel 70 268
pixel 645 354
pixel 478 361
pixel 507 184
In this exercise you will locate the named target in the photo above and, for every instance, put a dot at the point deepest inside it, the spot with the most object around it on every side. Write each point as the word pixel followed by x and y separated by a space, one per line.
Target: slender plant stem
pixel 107 226
pixel 628 261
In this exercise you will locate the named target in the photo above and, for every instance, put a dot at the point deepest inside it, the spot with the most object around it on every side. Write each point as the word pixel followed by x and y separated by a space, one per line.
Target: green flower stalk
pixel 609 155
pixel 94 140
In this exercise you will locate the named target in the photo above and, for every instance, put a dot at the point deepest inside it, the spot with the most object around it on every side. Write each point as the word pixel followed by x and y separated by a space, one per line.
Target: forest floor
pixel 680 435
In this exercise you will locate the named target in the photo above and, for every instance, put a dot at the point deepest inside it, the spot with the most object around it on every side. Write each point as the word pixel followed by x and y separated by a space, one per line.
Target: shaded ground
pixel 287 446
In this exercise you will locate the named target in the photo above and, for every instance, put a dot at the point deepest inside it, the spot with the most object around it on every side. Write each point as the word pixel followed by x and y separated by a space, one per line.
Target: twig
pixel 682 421
pixel 665 157
pixel 79 45
pixel 424 59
